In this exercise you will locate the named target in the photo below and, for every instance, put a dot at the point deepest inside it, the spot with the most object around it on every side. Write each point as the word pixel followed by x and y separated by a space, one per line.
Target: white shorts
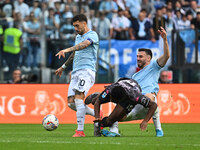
pixel 81 80
pixel 138 112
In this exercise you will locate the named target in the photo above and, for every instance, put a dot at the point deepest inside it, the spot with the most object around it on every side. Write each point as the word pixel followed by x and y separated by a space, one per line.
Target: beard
pixel 141 64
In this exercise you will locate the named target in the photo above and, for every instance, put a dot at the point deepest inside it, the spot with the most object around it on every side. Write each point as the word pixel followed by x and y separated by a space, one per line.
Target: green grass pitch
pixel 35 137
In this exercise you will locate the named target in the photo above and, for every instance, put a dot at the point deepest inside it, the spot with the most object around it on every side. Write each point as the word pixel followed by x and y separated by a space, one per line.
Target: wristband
pixel 64 66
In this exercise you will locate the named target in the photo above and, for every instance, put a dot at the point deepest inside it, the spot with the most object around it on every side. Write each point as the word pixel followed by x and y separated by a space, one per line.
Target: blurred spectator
pixel 141 28
pixel 134 7
pixel 148 7
pixel 177 17
pixel 128 15
pixel 189 16
pixel 121 4
pixel 184 23
pixel 185 3
pixel 16 77
pixel 195 24
pixel 94 5
pixel 120 26
pixel 33 30
pixel 164 77
pixel 52 24
pixel 170 24
pixel 45 9
pixel 193 8
pixel 67 29
pixel 103 27
pixel 164 11
pixel 108 7
pixel 67 13
pixel 58 10
pixel 158 21
pixel 75 10
pixel 12 46
pixel 170 5
pixel 92 21
pixel 23 8
pixel 85 8
pixel 158 4
pixel 8 8
pixel 23 52
pixel 36 9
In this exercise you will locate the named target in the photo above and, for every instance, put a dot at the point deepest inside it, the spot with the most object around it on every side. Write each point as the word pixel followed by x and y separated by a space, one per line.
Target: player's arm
pixel 162 60
pixel 97 105
pixel 152 108
pixel 77 47
pixel 104 97
pixel 68 62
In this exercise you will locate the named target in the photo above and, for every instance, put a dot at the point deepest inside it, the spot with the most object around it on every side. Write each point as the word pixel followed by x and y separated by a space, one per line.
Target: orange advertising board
pixel 29 103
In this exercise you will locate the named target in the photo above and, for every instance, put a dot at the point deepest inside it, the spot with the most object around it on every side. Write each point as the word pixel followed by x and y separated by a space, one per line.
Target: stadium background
pixel 23 106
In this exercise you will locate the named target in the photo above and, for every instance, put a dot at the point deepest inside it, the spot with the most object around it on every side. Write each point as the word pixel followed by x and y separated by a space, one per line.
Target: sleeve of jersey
pixel 92 37
pixel 156 65
pixel 144 100
pixel 104 97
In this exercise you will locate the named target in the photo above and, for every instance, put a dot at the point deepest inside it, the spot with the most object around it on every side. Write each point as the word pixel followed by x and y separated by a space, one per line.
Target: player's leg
pixel 85 82
pixel 80 113
pixel 157 123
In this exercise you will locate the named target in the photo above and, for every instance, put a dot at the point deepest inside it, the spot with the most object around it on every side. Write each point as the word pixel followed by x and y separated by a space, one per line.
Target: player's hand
pixel 61 53
pixel 143 125
pixel 163 33
pixel 59 71
pixel 97 120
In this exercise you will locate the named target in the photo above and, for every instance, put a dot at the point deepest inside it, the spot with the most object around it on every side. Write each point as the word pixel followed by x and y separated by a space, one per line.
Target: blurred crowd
pixel 112 19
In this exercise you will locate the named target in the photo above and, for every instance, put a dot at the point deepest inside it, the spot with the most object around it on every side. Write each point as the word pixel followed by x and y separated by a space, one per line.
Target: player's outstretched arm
pixel 163 59
pixel 152 108
pixel 68 61
pixel 77 47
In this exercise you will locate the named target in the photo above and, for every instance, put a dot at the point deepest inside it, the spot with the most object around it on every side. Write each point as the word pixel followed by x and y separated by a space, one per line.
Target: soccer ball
pixel 50 122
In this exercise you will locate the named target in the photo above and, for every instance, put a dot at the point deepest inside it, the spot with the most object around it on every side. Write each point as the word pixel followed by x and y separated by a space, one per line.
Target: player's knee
pixel 72 106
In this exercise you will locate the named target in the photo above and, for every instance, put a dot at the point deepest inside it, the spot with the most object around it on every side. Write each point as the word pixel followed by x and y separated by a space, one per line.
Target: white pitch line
pixel 94 143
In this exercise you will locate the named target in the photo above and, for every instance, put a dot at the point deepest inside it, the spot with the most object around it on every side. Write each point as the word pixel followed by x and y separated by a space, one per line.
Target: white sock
pixel 80 114
pixel 156 119
pixel 114 128
pixel 89 111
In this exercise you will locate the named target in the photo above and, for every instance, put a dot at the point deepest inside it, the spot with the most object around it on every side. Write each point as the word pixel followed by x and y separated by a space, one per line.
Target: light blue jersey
pixel 86 58
pixel 148 77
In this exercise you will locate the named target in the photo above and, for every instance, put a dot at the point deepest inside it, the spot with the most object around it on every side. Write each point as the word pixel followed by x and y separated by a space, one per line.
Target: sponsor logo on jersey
pixel 104 95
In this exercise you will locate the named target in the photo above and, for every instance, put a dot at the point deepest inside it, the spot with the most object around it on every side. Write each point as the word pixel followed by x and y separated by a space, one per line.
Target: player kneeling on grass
pixel 126 93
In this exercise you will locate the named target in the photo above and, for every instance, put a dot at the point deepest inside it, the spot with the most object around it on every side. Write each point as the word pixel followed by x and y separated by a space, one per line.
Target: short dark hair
pixel 118 92
pixel 80 18
pixel 147 51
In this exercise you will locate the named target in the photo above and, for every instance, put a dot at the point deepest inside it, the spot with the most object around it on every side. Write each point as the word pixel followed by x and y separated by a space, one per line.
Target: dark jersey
pixel 132 97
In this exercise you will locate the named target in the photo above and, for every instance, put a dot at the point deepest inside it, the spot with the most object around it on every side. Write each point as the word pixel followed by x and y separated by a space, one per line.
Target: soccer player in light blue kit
pixel 147 77
pixel 84 57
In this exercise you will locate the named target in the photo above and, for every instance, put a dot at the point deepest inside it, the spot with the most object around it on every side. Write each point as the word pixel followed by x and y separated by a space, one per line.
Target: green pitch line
pixel 34 136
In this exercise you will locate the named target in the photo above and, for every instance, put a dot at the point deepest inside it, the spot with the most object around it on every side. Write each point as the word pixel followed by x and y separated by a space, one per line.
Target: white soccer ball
pixel 50 122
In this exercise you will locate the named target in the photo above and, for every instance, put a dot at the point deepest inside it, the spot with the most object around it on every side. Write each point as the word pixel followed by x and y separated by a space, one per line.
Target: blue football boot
pixel 159 133
pixel 107 133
